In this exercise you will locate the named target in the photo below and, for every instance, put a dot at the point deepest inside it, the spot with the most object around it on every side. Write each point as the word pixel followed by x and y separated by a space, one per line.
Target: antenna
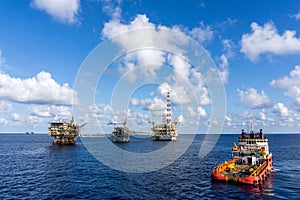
pixel 125 122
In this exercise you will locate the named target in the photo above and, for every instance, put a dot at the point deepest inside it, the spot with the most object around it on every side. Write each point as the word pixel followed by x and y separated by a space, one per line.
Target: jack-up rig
pixel 64 132
pixel 167 130
pixel 120 132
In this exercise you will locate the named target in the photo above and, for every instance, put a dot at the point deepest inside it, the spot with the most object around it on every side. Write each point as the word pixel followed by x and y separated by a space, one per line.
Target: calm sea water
pixel 32 168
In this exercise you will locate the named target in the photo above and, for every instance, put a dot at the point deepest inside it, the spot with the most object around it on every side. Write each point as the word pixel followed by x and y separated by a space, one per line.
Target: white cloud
pixel 202 34
pixel 61 10
pixel 41 89
pixel 104 113
pixel 296 16
pixel 224 72
pixel 291 84
pixel 181 66
pixel 185 83
pixel 112 8
pixel 228 47
pixel 16 117
pixel 288 82
pixel 179 92
pixel 5 107
pixel 281 109
pixel 150 59
pixel 263 119
pixel 191 112
pixel 253 99
pixel 57 112
pixel 198 87
pixel 262 116
pixel 34 120
pixel 139 119
pixel 184 91
pixel 228 120
pixel 201 112
pixel 155 104
pixel 147 60
pixel 3 121
pixel 134 101
pixel 266 39
pixel 181 119
pixel 115 27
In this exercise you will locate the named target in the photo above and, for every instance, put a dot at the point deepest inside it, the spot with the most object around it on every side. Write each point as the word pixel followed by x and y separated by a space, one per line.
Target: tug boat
pixel 251 161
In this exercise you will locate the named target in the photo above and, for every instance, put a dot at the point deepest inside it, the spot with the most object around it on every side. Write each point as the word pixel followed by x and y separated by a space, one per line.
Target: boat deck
pixel 239 171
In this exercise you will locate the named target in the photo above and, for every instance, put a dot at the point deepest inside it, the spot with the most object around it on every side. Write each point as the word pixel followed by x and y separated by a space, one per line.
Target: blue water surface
pixel 32 168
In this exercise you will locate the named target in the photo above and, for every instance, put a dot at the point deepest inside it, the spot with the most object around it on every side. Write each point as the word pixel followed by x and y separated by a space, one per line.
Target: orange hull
pixel 255 178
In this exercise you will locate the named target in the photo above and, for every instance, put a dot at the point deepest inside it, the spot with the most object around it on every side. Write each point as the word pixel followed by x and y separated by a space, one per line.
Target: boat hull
pixel 255 178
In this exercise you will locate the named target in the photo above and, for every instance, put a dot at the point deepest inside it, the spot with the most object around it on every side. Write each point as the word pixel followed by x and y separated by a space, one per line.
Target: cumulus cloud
pixel 34 120
pixel 115 27
pixel 150 60
pixel 281 109
pixel 264 120
pixel 134 101
pixel 253 99
pixel 183 80
pixel 56 112
pixel 184 91
pixel 156 108
pixel 202 33
pixel 154 104
pixel 112 8
pixel 41 89
pixel 105 113
pixel 223 67
pixel 228 120
pixel 62 10
pixel 185 83
pixel 201 111
pixel 181 66
pixel 153 58
pixel 139 119
pixel 229 47
pixel 3 121
pixel 179 92
pixel 266 39
pixel 291 84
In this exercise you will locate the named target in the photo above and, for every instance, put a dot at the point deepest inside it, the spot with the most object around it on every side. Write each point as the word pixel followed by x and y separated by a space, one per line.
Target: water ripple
pixel 32 168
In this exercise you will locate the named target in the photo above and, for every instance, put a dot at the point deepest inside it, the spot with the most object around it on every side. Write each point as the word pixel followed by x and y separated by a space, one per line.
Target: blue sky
pixel 254 44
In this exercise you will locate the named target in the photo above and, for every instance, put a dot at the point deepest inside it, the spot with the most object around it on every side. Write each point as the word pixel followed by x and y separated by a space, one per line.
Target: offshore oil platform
pixel 120 133
pixel 64 132
pixel 167 130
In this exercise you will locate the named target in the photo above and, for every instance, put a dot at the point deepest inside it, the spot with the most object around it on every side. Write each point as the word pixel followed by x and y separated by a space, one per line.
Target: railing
pixel 259 169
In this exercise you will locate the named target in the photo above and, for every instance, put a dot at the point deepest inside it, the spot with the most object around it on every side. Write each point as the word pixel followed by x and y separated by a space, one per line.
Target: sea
pixel 32 168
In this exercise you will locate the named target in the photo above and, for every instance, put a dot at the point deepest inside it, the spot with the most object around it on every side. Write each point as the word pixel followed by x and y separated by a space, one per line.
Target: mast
pixel 251 123
pixel 168 120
